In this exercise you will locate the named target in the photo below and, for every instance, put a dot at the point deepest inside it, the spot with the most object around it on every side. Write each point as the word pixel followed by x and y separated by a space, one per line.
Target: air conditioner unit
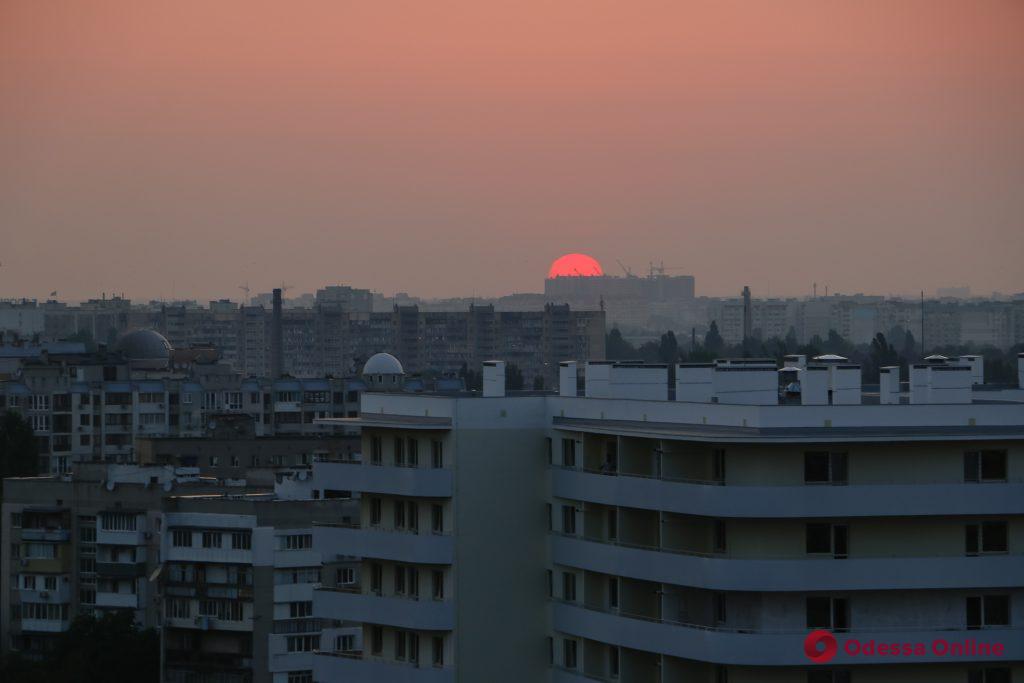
pixel 148 535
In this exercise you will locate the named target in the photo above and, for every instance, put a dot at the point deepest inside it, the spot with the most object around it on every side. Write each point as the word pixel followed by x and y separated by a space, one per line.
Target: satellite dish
pixel 110 485
pixel 302 475
pixel 168 485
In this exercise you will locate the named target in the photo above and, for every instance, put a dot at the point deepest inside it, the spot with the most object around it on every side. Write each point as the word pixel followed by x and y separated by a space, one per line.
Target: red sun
pixel 575 265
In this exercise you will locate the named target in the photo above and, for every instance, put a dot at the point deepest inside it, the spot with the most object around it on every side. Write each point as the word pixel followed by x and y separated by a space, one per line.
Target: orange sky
pixel 452 148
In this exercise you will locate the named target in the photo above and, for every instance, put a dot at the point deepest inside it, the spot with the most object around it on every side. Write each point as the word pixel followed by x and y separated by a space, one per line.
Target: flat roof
pixel 735 434
pixel 391 421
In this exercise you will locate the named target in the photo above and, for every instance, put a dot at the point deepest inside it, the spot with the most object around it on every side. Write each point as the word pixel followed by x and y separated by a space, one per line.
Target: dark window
pixel 993 675
pixel 568 586
pixel 718 465
pixel 613 524
pixel 568 453
pixel 568 519
pixel 820 676
pixel 613 592
pixel 719 536
pixel 825 468
pixel 569 652
pixel 987 465
pixel 828 539
pixel 987 537
pixel 827 613
pixel 376 639
pixel 989 610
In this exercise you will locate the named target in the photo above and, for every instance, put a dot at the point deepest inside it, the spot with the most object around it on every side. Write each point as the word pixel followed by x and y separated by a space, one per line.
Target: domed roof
pixel 144 345
pixel 383 364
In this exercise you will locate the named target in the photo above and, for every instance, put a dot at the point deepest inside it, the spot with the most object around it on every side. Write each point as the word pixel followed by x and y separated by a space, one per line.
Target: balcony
pixel 44 626
pixel 221 555
pixel 121 570
pixel 118 600
pixel 352 668
pixel 804 573
pixel 60 594
pixel 856 500
pixel 296 558
pixel 208 661
pixel 45 565
pixel 108 537
pixel 399 481
pixel 340 540
pixel 765 648
pixel 422 614
pixel 55 535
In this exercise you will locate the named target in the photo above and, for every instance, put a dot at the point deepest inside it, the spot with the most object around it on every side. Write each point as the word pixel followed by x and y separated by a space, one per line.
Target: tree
pixel 617 348
pixel 882 353
pixel 18 450
pixel 668 349
pixel 111 648
pixel 713 341
pixel 513 377
pixel 473 381
pixel 791 341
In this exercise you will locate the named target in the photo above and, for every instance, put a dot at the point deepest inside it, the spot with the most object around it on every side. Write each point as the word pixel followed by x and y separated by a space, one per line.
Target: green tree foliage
pixel 18 451
pixel 713 341
pixel 111 649
pixel 513 377
pixel 617 348
pixel 668 349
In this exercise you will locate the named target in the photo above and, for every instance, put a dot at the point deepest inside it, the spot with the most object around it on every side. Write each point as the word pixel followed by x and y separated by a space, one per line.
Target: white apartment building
pixel 237 586
pixel 623 536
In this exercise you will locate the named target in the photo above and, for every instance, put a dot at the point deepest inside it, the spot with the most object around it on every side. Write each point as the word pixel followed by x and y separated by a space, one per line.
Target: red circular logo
pixel 820 646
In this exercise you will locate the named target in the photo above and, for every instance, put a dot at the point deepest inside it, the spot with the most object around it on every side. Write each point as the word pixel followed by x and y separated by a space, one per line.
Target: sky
pixel 186 149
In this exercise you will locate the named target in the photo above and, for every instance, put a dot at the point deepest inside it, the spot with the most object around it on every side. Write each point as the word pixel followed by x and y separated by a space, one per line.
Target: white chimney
pixel 814 386
pixel 795 360
pixel 695 382
pixel 844 383
pixel 746 381
pixel 949 384
pixel 494 378
pixel 919 383
pixel 977 365
pixel 598 374
pixel 646 382
pixel 567 378
pixel 889 385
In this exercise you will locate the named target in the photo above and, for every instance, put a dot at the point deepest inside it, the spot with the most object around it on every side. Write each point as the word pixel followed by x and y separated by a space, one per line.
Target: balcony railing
pixel 922 627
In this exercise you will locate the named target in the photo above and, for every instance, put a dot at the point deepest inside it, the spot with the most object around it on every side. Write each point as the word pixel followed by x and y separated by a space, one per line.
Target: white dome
pixel 383 364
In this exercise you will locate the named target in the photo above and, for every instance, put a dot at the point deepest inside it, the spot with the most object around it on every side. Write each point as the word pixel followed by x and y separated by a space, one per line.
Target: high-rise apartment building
pixel 696 532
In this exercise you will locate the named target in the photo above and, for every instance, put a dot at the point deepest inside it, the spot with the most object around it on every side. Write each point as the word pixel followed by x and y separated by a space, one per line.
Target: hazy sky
pixel 447 148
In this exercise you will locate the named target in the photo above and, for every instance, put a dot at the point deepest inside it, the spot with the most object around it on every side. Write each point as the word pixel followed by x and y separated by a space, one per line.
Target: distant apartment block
pixel 94 407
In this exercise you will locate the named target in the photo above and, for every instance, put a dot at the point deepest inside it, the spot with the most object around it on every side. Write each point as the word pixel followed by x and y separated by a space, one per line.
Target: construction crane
pixel 245 288
pixel 627 271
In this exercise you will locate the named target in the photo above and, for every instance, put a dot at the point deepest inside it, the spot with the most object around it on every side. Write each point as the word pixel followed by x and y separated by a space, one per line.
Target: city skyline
pixel 457 151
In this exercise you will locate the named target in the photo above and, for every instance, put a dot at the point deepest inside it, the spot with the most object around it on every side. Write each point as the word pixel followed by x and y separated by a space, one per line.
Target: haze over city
pixel 458 148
